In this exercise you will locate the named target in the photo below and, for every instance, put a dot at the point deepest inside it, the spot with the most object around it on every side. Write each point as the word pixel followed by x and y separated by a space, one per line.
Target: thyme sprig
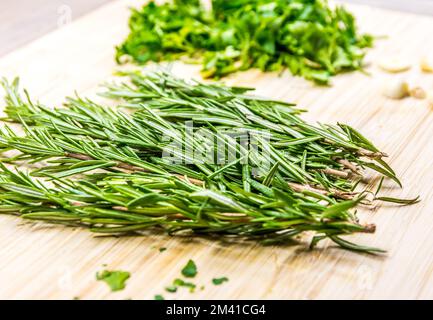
pixel 104 167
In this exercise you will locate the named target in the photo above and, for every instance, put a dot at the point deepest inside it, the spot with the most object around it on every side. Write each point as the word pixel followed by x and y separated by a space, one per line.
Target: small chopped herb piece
pixel 162 249
pixel 218 281
pixel 190 270
pixel 158 297
pixel 116 280
pixel 171 289
pixel 182 283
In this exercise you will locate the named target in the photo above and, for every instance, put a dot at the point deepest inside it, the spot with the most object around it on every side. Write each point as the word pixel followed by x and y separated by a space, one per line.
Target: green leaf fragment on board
pixel 171 289
pixel 190 269
pixel 116 280
pixel 218 281
pixel 186 284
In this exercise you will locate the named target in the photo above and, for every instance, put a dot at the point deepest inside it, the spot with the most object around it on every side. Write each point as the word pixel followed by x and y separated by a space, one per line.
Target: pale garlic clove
pixel 418 93
pixel 396 89
pixel 394 65
pixel 426 64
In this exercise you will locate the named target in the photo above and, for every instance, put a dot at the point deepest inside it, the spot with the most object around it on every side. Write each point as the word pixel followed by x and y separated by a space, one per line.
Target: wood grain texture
pixel 45 261
pixel 24 21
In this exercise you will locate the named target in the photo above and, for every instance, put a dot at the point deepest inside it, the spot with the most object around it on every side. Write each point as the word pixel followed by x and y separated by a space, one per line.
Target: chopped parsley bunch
pixel 308 37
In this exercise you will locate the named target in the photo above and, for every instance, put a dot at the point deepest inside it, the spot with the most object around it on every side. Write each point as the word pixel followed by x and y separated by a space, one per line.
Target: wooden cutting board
pixel 45 261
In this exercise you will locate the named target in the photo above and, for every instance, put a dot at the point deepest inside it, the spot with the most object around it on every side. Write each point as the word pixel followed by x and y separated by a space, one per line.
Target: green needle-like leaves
pixel 107 168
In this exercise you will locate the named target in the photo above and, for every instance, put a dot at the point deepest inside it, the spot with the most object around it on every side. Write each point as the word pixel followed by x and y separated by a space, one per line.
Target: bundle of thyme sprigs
pixel 308 37
pixel 104 167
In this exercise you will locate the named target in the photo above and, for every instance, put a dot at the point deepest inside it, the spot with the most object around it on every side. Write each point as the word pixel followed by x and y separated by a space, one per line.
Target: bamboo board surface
pixel 39 261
